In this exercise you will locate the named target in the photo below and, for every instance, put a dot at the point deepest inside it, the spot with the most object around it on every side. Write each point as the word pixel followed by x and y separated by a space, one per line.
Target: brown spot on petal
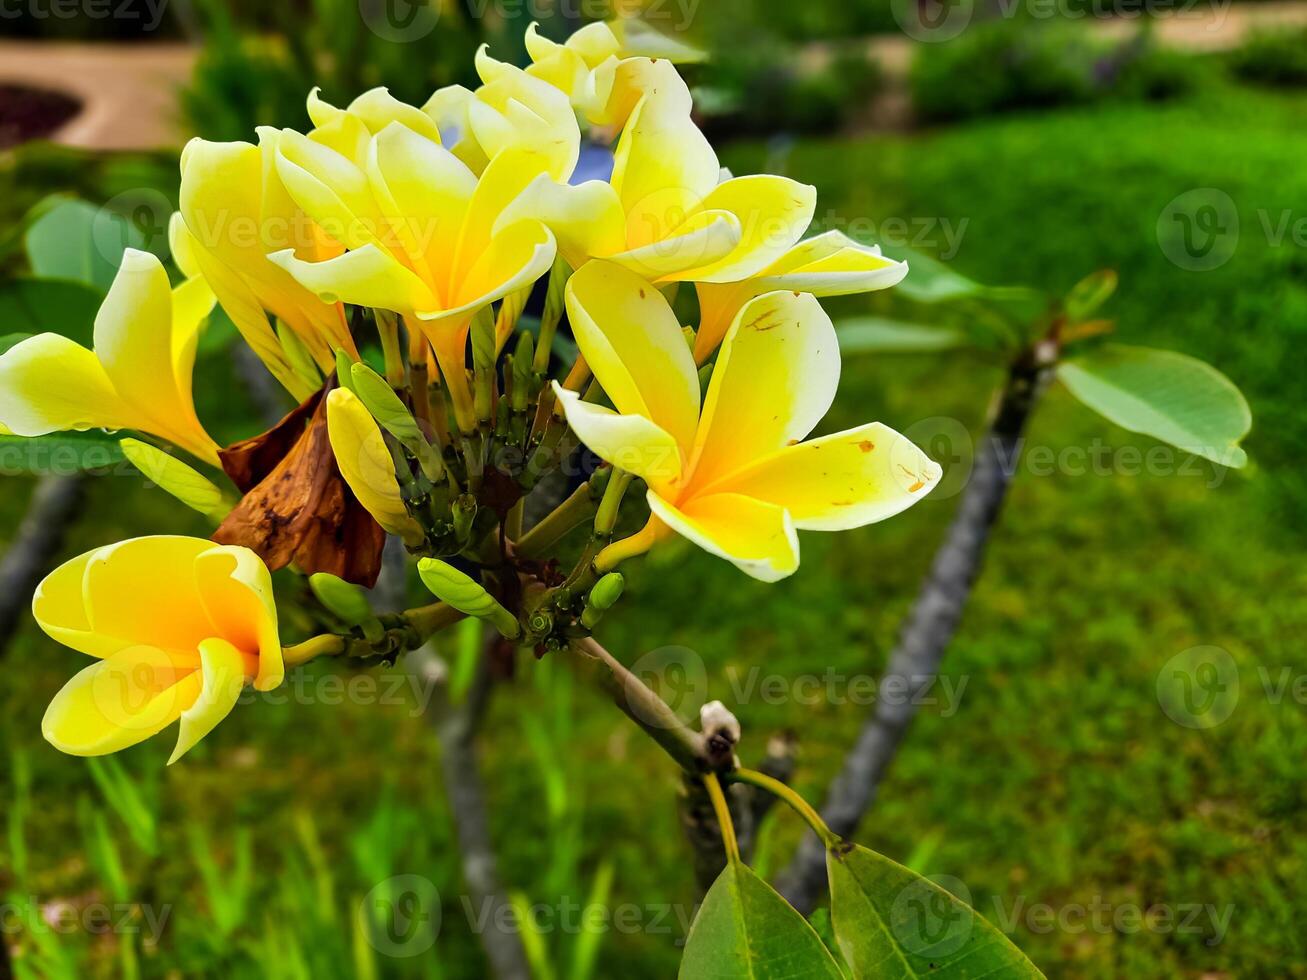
pixel 866 445
pixel 297 507
pixel 919 482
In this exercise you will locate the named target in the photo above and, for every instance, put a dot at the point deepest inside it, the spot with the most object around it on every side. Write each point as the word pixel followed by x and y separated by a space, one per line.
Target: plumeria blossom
pixel 731 474
pixel 178 627
pixel 831 264
pixel 367 466
pixel 667 214
pixel 423 233
pixel 585 64
pixel 512 109
pixel 233 212
pixel 137 377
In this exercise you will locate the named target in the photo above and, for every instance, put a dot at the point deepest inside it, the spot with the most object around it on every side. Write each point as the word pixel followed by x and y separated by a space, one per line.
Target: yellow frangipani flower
pixel 600 47
pixel 512 109
pixel 831 264
pixel 732 475
pixel 233 212
pixel 178 627
pixel 667 214
pixel 367 466
pixel 138 376
pixel 425 236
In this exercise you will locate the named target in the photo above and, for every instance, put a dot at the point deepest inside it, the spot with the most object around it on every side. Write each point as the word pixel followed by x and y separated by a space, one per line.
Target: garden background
pixel 1038 144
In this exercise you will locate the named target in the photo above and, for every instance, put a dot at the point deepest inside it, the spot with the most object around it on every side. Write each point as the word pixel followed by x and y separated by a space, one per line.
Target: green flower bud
pixel 347 601
pixel 466 595
pixel 174 477
pixel 602 597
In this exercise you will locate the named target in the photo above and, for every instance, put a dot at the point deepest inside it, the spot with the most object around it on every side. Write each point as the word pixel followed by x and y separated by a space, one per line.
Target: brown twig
pixel 929 628
pixel 37 541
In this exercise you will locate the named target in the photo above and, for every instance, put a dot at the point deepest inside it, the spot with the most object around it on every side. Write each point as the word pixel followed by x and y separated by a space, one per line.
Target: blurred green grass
pixel 1058 780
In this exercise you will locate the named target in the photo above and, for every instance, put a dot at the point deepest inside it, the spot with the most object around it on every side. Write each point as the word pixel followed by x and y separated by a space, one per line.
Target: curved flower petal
pixel 587 219
pixel 145 356
pixel 630 442
pixel 517 256
pixel 330 188
pixel 365 276
pixel 514 110
pixel 706 237
pixel 119 701
pixel 634 345
pixel 49 383
pixel 222 673
pixel 235 588
pixel 615 87
pixel 773 212
pixel 663 169
pixel 840 481
pixel 756 536
pixel 366 464
pixel 375 109
pixel 448 106
pixel 143 591
pixel 775 378
pixel 425 192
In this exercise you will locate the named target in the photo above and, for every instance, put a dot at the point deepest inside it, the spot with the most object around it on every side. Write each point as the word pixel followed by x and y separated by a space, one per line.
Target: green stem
pixel 723 812
pixel 606 516
pixel 388 331
pixel 796 802
pixel 327 645
pixel 550 530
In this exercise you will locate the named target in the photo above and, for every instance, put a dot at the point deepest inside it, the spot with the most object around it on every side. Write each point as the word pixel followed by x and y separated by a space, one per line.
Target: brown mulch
pixel 30 113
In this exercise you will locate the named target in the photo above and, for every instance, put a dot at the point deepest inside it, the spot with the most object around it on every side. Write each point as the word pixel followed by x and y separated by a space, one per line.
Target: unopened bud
pixel 347 601
pixel 466 595
pixel 605 593
pixel 174 477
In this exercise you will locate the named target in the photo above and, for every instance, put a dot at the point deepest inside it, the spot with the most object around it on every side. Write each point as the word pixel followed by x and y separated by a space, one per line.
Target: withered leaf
pixel 297 507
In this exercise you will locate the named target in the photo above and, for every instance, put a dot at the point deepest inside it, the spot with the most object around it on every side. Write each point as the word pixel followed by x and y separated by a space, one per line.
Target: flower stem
pixel 723 812
pixel 550 529
pixel 326 645
pixel 796 802
pixel 630 547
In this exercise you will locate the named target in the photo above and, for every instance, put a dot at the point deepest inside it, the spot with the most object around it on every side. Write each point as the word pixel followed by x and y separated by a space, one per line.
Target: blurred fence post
pixel 928 630
pixel 38 539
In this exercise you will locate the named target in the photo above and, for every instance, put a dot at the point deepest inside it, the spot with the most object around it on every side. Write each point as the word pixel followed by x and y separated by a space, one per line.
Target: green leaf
pixel 49 306
pixel 932 281
pixel 60 454
pixel 178 479
pixel 1089 294
pixel 1170 396
pixel 873 334
pixel 893 924
pixel 745 929
pixel 78 241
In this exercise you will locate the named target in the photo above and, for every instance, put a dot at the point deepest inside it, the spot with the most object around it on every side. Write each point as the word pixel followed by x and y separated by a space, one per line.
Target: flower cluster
pixel 382 266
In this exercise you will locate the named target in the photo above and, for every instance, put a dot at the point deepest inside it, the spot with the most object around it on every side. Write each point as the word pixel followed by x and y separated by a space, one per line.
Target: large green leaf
pixel 893 924
pixel 745 929
pixel 60 454
pixel 76 240
pixel 59 306
pixel 873 334
pixel 1170 396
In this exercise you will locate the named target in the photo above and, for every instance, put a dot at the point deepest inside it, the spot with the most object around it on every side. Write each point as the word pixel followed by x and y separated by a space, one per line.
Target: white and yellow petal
pixel 757 537
pixel 633 342
pixel 222 678
pixel 630 442
pixel 774 380
pixel 119 701
pixel 840 481
pixel 773 213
